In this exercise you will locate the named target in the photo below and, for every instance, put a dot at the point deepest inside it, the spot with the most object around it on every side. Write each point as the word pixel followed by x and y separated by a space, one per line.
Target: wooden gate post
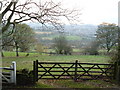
pixel 35 69
pixel 75 77
pixel 115 70
pixel 119 74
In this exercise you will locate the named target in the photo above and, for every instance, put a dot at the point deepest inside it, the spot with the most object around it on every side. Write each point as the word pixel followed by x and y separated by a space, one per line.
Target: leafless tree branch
pixel 47 12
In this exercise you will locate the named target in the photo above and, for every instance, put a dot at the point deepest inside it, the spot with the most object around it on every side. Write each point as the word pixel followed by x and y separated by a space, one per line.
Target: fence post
pixel 35 69
pixel 13 73
pixel 115 70
pixel 75 77
pixel 119 74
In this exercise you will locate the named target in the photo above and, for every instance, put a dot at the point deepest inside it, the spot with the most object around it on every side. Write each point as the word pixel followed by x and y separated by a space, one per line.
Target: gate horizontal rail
pixel 73 63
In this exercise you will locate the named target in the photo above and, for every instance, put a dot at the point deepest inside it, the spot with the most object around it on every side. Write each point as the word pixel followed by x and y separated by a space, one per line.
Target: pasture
pixel 27 62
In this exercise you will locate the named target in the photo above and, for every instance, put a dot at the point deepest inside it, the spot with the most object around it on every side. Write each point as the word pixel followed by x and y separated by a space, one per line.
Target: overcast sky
pixel 95 11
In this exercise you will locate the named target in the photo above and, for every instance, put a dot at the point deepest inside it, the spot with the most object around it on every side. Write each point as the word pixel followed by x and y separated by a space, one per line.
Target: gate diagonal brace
pixel 47 71
pixel 101 70
pixel 5 78
pixel 107 70
pixel 65 71
pixel 86 71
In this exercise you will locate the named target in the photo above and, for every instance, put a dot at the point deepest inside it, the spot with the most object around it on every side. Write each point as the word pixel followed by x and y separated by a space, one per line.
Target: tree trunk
pixel 27 54
pixel 60 51
pixel 108 50
pixel 2 54
pixel 17 54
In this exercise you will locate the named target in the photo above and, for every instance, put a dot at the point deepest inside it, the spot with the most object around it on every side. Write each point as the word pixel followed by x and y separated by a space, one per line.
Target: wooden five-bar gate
pixel 72 70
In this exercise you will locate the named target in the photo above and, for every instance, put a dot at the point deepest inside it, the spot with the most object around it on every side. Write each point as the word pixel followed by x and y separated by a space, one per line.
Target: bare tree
pixel 15 11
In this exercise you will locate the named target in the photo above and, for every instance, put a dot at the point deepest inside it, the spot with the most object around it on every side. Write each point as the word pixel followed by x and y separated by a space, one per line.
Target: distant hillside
pixel 71 29
pixel 74 33
pixel 82 29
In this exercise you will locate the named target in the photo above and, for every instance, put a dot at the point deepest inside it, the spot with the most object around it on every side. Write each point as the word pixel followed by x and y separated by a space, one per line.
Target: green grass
pixel 76 50
pixel 27 62
pixel 73 37
pixel 67 37
pixel 13 54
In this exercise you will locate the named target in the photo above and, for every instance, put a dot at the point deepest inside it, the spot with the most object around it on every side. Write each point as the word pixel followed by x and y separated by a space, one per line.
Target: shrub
pixel 114 56
pixel 115 60
pixel 90 51
pixel 92 48
pixel 25 77
pixel 62 46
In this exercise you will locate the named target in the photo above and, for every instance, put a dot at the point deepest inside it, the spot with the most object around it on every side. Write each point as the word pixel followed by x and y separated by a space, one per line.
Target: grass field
pixel 73 37
pixel 27 62
pixel 13 54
